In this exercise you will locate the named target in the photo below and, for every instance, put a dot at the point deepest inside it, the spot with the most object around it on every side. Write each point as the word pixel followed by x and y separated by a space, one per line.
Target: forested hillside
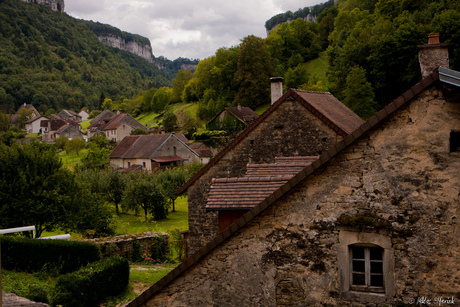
pixel 54 61
pixel 371 46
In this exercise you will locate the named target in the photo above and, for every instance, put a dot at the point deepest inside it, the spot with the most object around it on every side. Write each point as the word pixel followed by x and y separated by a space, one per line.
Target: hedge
pixel 58 256
pixel 92 284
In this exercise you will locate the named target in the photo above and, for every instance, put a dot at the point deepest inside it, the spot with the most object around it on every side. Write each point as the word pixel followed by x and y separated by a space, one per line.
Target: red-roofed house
pixel 300 123
pixel 155 151
pixel 54 128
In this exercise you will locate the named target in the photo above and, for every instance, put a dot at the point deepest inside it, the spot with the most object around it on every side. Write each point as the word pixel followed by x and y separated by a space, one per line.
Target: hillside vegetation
pixel 52 60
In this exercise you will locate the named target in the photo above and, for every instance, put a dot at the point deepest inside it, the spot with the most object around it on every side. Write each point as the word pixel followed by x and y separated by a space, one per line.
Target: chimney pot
pixel 239 107
pixel 276 88
pixel 433 38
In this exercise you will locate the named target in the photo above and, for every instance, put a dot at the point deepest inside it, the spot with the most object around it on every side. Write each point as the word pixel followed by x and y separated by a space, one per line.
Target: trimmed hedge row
pixel 59 256
pixel 92 284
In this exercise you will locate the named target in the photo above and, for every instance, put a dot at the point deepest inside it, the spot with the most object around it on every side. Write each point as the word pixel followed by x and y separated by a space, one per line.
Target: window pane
pixel 376 253
pixel 358 252
pixel 376 280
pixel 359 279
pixel 358 266
pixel 376 267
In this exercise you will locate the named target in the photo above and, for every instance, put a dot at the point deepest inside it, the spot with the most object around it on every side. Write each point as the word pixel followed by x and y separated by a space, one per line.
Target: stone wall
pixel 397 185
pixel 291 130
pixel 124 245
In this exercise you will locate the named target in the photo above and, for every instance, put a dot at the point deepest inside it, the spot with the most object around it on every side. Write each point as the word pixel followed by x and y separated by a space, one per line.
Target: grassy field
pixel 71 160
pixel 317 69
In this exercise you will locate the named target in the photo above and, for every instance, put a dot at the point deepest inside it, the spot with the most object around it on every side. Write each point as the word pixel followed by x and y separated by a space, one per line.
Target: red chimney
pixel 433 39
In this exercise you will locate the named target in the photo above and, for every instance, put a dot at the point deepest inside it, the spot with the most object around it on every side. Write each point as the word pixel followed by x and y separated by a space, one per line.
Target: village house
pixel 25 106
pixel 84 114
pixel 373 221
pixel 69 114
pixel 33 125
pixel 156 151
pixel 299 123
pixel 233 119
pixel 115 126
pixel 54 128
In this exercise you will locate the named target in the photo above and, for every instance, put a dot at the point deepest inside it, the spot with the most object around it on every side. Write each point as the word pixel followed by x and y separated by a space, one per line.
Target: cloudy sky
pixel 186 28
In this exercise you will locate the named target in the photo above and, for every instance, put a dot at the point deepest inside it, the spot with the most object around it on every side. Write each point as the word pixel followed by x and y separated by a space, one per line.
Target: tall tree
pixel 359 96
pixel 253 73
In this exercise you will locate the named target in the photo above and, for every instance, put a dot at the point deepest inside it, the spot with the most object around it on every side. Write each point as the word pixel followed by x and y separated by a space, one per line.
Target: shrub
pixel 32 255
pixel 92 284
pixel 207 134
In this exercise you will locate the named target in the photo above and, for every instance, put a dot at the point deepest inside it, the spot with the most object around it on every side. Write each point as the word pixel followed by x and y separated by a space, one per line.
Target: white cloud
pixel 184 28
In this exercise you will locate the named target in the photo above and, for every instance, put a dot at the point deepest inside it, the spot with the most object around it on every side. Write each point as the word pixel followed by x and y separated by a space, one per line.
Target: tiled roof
pixel 323 105
pixel 245 114
pixel 242 193
pixel 366 127
pixel 103 115
pixel 69 113
pixel 62 129
pixel 124 146
pixel 114 121
pixel 55 124
pixel 260 181
pixel 34 119
pixel 330 110
pixel 282 166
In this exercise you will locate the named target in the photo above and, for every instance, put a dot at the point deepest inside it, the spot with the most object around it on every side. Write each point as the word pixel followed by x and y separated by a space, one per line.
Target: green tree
pixel 161 99
pixel 115 187
pixel 76 144
pixel 179 83
pixel 107 104
pixel 359 96
pixel 169 121
pixel 5 122
pixel 170 180
pixel 61 142
pixel 34 188
pixel 96 157
pixel 253 72
pixel 144 193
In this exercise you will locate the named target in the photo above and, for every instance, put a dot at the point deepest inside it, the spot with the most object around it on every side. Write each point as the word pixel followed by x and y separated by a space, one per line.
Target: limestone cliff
pixel 138 48
pixel 56 5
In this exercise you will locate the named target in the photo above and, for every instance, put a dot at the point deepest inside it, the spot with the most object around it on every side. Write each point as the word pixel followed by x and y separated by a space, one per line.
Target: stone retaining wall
pixel 125 245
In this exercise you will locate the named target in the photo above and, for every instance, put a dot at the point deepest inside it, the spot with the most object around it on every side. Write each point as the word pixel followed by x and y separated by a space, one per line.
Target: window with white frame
pixel 366 268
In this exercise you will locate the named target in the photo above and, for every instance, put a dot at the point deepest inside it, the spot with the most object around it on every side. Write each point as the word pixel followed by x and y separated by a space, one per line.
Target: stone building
pixel 114 126
pixel 299 123
pixel 233 119
pixel 156 151
pixel 372 222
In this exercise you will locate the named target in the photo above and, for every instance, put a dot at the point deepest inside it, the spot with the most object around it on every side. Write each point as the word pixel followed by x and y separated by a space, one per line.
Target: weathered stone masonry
pixel 401 173
pixel 290 130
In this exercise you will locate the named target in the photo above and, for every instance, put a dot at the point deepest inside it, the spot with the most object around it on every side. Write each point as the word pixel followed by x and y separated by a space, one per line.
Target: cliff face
pixel 142 50
pixel 56 5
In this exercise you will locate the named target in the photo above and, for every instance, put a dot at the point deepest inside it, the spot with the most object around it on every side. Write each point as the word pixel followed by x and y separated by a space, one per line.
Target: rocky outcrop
pixel 56 5
pixel 139 49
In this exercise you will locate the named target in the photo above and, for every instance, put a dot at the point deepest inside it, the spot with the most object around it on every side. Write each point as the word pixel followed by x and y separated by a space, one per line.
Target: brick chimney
pixel 433 55
pixel 276 88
